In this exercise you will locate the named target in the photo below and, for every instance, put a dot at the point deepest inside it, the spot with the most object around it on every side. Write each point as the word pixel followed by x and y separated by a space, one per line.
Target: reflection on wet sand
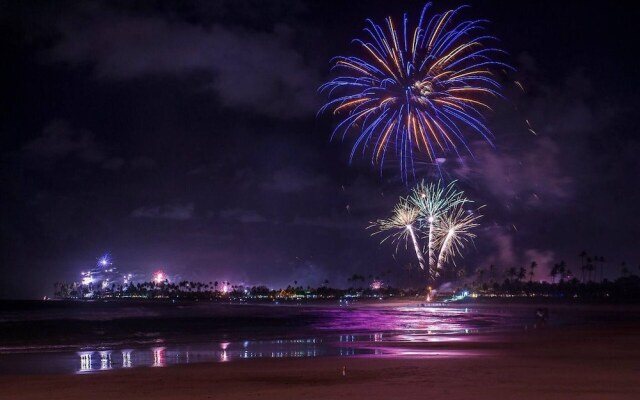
pixel 342 345
pixel 400 332
pixel 126 358
pixel 85 361
pixel 105 360
pixel 158 356
pixel 223 355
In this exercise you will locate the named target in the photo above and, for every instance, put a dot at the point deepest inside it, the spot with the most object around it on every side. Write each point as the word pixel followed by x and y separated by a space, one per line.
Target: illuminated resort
pixel 106 281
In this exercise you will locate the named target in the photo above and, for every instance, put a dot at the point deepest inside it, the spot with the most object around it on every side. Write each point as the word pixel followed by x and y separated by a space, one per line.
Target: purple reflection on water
pixel 424 332
pixel 413 323
pixel 422 353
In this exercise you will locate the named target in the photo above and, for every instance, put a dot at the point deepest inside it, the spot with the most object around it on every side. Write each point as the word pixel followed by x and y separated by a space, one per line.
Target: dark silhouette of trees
pixel 532 270
pixel 522 273
pixel 582 255
pixel 492 273
pixel 555 270
pixel 624 270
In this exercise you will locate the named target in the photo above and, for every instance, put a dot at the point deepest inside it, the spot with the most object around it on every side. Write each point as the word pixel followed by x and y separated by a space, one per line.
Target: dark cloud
pixel 294 180
pixel 503 254
pixel 114 164
pixel 532 176
pixel 502 251
pixel 336 222
pixel 142 162
pixel 544 259
pixel 178 212
pixel 242 216
pixel 60 140
pixel 251 70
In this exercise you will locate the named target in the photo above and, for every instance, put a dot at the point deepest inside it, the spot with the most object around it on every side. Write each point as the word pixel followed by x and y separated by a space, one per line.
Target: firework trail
pixel 453 232
pixel 401 224
pixel 433 211
pixel 415 90
pixel 434 200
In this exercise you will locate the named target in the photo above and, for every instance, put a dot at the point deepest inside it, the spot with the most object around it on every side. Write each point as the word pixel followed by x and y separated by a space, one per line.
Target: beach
pixel 600 362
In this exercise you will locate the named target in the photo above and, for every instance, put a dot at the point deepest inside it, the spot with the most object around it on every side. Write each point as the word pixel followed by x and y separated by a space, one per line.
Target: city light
pixel 86 278
pixel 376 285
pixel 159 277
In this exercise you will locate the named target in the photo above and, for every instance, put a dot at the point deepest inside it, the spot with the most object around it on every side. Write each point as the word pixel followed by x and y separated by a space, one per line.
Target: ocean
pixel 49 337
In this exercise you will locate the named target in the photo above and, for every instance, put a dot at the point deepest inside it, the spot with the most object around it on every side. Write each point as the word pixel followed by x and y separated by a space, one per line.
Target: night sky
pixel 183 136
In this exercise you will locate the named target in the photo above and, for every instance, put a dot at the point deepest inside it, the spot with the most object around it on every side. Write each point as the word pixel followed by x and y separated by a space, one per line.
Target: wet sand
pixel 559 363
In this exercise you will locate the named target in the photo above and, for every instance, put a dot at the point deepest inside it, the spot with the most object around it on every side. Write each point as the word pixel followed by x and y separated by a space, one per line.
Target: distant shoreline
pixel 492 301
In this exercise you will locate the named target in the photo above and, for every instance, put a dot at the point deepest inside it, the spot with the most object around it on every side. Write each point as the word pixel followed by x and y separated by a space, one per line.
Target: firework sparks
pixel 454 231
pixel 105 260
pixel 401 224
pixel 433 200
pixel 159 277
pixel 434 212
pixel 415 91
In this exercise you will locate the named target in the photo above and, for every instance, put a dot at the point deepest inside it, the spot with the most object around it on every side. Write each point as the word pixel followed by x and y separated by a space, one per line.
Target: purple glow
pixel 416 321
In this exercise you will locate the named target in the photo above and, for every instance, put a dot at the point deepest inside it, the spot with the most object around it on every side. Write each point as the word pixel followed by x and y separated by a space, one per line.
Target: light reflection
pixel 126 358
pixel 413 320
pixel 224 357
pixel 423 353
pixel 403 331
pixel 85 361
pixel 105 360
pixel 158 356
pixel 347 351
pixel 339 345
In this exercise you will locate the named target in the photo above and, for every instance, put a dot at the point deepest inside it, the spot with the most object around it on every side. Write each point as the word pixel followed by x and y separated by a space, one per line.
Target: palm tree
pixel 522 273
pixel 569 274
pixel 531 270
pixel 481 274
pixel 554 272
pixel 491 272
pixel 582 255
pixel 625 270
pixel 512 273
pixel 562 270
pixel 589 267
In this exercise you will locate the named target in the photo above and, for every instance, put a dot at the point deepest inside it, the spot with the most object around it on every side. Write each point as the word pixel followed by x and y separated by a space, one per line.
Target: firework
pixel 401 224
pixel 433 200
pixel 421 90
pixel 104 261
pixel 159 277
pixel 453 231
pixel 436 213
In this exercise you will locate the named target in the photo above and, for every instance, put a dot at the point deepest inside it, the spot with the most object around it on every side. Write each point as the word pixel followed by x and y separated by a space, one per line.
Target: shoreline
pixel 184 323
pixel 591 363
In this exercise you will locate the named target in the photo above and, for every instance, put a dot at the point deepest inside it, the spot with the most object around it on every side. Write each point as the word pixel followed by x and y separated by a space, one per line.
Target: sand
pixel 567 363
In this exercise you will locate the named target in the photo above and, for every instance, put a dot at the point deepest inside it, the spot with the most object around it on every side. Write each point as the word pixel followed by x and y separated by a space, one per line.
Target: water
pixel 97 359
pixel 77 338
